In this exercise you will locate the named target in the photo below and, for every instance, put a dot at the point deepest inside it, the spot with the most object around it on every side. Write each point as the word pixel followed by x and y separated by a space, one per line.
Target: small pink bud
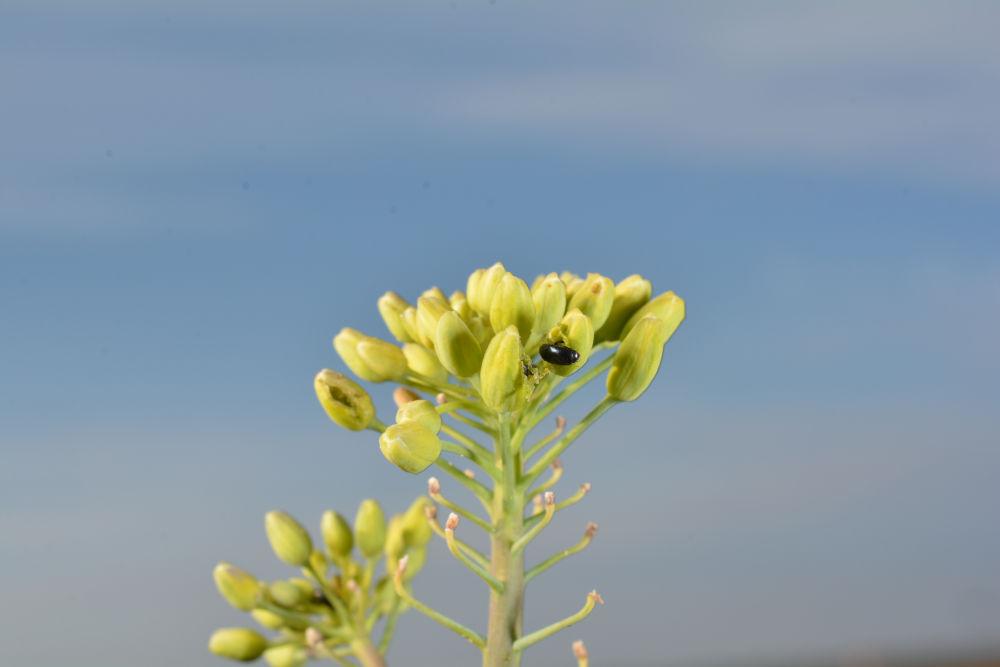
pixel 313 637
pixel 433 486
pixel 401 396
pixel 591 529
pixel 557 465
pixel 470 473
pixel 441 399
pixel 560 423
pixel 585 487
pixel 579 650
pixel 596 597
pixel 550 499
pixel 452 522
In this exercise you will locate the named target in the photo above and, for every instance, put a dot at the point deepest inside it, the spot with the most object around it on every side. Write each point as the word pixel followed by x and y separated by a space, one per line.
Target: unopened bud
pixel 441 398
pixel 573 283
pixel 460 304
pixel 241 644
pixel 238 587
pixel 435 293
pixel 637 360
pixel 549 298
pixel 579 650
pixel 630 295
pixel 421 360
pixel 591 529
pixel 429 311
pixel 512 306
pixel 452 522
pixel 395 541
pixel 550 499
pixel 286 655
pixel 481 287
pixel 502 382
pixel 596 597
pixel 456 347
pixel 537 505
pixel 576 332
pixel 285 594
pixel 344 400
pixel 391 307
pixel 594 298
pixel 369 528
pixel 346 344
pixel 314 638
pixel 268 619
pixel 336 534
pixel 410 445
pixel 420 411
pixel 401 395
pixel 433 486
pixel 409 318
pixel 416 531
pixel 289 540
pixel 481 329
pixel 383 358
pixel 668 307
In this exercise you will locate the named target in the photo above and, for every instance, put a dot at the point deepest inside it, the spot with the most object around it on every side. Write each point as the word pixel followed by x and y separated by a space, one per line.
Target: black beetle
pixel 558 354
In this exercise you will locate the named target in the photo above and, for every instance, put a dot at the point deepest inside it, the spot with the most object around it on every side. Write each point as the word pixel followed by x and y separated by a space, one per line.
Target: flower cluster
pixel 330 611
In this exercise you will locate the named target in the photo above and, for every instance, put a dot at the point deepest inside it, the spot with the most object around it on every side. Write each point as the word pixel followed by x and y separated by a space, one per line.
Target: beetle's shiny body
pixel 560 355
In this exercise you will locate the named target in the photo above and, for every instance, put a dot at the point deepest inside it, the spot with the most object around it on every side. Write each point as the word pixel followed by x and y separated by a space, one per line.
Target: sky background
pixel 195 196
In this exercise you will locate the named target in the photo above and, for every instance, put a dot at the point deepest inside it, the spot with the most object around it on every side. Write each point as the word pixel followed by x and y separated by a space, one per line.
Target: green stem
pixel 469 564
pixel 565 553
pixel 553 453
pixel 366 653
pixel 462 512
pixel 533 638
pixel 572 500
pixel 568 391
pixel 472 485
pixel 474 637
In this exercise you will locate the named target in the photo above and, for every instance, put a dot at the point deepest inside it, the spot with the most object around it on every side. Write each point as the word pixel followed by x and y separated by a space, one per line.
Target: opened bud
pixel 369 528
pixel 637 360
pixel 594 298
pixel 391 307
pixel 501 378
pixel 336 534
pixel 410 445
pixel 512 306
pixel 344 400
pixel 457 347
pixel 289 540
pixel 549 298
pixel 238 587
pixel 241 644
pixel 630 295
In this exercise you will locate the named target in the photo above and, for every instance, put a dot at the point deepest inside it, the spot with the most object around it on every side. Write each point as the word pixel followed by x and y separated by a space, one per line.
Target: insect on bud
pixel 594 298
pixel 410 445
pixel 422 412
pixel 391 307
pixel 289 540
pixel 369 528
pixel 401 395
pixel 452 522
pixel 457 349
pixel 637 360
pixel 502 381
pixel 424 362
pixel 241 644
pixel 344 400
pixel 576 332
pixel 630 295
pixel 512 306
pixel 238 587
pixel 336 534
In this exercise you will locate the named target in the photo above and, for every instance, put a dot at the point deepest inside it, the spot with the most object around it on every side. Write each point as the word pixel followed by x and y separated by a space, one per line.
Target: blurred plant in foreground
pixel 332 610
pixel 497 360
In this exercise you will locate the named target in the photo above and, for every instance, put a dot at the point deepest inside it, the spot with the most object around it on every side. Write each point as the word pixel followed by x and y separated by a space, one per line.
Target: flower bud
pixel 429 311
pixel 460 304
pixel 481 287
pixel 241 644
pixel 268 619
pixel 420 411
pixel 395 540
pixel 630 295
pixel 346 344
pixel 594 298
pixel 436 293
pixel 239 588
pixel 369 528
pixel 289 540
pixel 572 281
pixel 576 332
pixel 415 560
pixel 512 306
pixel 336 534
pixel 409 318
pixel 401 396
pixel 549 297
pixel 410 445
pixel 382 358
pixel 391 307
pixel 668 307
pixel 501 378
pixel 481 329
pixel 456 347
pixel 318 561
pixel 285 594
pixel 286 655
pixel 637 360
pixel 344 400
pixel 422 361
pixel 416 529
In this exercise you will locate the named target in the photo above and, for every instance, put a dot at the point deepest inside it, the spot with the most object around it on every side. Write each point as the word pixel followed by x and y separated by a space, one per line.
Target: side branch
pixel 472 636
pixel 584 542
pixel 527 640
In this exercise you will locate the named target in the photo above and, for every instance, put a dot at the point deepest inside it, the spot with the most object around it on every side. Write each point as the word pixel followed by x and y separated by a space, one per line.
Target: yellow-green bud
pixel 549 297
pixel 512 306
pixel 410 445
pixel 415 562
pixel 395 540
pixel 369 528
pixel 667 306
pixel 336 534
pixel 502 378
pixel 416 528
pixel 577 332
pixel 346 345
pixel 424 362
pixel 289 540
pixel 638 359
pixel 460 304
pixel 630 295
pixel 318 561
pixel 344 400
pixel 391 307
pixel 382 358
pixel 241 644
pixel 481 287
pixel 572 281
pixel 409 318
pixel 286 655
pixel 268 619
pixel 436 293
pixel 420 411
pixel 481 329
pixel 429 311
pixel 594 298
pixel 285 594
pixel 456 347
pixel 238 587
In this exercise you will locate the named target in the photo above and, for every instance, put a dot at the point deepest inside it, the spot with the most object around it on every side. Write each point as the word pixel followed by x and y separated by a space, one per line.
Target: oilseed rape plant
pixel 495 361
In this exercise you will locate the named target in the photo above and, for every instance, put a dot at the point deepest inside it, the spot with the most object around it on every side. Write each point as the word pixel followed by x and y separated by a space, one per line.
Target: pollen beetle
pixel 558 354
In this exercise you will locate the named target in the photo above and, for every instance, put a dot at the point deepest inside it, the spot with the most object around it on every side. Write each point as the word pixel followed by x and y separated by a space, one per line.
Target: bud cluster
pixel 340 596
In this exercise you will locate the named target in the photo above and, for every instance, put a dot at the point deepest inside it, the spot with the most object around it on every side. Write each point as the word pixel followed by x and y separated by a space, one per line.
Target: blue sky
pixel 194 197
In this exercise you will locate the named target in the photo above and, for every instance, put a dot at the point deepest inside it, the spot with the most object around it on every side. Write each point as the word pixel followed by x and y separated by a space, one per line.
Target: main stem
pixel 366 653
pixel 506 607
